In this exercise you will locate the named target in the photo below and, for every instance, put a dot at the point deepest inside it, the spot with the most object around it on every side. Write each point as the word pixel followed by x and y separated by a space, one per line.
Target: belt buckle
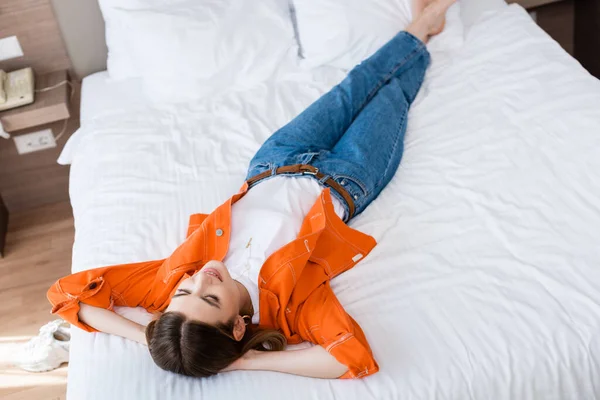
pixel 309 172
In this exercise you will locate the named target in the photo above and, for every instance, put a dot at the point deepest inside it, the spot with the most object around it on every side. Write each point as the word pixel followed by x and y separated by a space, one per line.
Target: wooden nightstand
pixel 34 179
pixel 50 105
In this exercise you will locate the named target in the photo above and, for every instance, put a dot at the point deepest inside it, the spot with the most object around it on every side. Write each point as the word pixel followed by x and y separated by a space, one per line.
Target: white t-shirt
pixel 268 217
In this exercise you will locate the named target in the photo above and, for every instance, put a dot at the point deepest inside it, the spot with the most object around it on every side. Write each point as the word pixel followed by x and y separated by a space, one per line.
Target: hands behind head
pixel 244 362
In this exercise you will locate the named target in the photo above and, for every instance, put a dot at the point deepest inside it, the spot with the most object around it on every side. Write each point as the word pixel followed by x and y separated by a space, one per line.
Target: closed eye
pixel 212 300
pixel 181 292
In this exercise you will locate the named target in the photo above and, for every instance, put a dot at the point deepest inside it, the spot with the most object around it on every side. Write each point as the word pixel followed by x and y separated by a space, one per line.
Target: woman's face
pixel 210 295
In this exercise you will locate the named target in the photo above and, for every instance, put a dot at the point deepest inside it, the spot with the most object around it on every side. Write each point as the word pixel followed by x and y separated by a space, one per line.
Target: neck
pixel 246 307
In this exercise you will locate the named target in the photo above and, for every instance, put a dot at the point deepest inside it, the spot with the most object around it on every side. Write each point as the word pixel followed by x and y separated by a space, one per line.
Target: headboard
pixel 82 29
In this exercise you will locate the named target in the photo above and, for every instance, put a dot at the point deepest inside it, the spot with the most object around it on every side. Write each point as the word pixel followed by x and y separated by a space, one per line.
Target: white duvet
pixel 485 283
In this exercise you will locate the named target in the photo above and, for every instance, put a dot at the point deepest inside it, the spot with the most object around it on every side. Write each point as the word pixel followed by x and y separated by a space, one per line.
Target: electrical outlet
pixel 10 48
pixel 35 141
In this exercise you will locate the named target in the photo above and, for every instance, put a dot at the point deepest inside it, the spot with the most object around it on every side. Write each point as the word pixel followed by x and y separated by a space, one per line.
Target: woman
pixel 277 246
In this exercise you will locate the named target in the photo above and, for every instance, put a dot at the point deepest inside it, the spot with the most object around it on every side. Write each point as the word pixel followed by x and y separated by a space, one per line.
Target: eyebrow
pixel 185 292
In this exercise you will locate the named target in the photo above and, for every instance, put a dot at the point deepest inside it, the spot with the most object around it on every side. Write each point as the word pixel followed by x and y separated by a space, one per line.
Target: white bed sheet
pixel 472 10
pixel 485 281
pixel 103 96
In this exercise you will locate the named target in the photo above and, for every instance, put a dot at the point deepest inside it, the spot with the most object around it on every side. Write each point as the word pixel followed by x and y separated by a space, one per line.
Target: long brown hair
pixel 194 348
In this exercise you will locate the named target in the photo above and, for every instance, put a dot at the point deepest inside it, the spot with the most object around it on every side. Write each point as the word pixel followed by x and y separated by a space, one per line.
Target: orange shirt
pixel 294 292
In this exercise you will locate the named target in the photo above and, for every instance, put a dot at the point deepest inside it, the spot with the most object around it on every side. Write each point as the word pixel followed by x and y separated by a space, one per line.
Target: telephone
pixel 16 88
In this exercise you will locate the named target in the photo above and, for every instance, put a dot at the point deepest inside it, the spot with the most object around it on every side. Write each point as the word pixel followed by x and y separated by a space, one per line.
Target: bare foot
pixel 417 7
pixel 429 18
pixel 438 21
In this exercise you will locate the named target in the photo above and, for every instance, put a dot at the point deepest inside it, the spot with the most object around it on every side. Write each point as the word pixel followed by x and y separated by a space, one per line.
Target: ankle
pixel 418 30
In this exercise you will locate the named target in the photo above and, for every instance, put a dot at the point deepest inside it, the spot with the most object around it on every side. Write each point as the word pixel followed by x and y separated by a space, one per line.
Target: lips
pixel 213 272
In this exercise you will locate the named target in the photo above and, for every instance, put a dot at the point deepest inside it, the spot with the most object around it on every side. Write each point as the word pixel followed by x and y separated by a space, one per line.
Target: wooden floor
pixel 38 251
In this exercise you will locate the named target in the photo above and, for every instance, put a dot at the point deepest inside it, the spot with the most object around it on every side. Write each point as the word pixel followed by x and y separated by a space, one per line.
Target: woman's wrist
pixel 244 363
pixel 251 360
pixel 141 335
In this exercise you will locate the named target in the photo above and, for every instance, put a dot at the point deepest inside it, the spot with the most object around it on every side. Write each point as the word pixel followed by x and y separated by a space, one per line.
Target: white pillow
pixel 179 43
pixel 119 63
pixel 342 33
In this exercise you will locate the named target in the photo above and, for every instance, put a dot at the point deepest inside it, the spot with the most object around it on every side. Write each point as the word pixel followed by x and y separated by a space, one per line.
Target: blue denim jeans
pixel 355 132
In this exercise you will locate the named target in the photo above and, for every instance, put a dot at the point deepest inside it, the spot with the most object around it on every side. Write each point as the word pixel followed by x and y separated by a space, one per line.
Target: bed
pixel 485 281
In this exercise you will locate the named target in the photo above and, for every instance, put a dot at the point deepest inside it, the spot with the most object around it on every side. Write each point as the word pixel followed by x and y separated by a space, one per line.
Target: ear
pixel 239 328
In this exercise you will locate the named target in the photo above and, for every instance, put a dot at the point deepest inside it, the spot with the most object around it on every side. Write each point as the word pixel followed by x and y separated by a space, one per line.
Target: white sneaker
pixel 47 350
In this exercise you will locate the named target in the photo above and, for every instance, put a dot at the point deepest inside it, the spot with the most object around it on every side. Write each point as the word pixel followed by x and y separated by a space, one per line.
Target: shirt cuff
pixel 348 350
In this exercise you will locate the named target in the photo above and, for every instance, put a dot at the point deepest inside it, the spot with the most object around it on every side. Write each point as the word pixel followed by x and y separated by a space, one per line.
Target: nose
pixel 202 281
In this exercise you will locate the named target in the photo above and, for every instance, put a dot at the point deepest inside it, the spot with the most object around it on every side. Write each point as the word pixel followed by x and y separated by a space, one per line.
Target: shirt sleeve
pixel 147 284
pixel 129 285
pixel 324 321
pixel 195 222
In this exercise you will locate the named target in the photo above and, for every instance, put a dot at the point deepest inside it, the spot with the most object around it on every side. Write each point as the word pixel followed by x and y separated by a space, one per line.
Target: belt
pixel 305 169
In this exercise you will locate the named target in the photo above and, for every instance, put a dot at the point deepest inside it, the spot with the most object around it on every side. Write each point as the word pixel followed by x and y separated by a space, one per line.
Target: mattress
pixel 484 283
pixel 473 10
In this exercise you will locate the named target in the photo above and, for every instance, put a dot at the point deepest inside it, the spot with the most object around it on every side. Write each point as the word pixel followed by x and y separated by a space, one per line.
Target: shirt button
pixel 343 181
pixel 219 232
pixel 355 197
